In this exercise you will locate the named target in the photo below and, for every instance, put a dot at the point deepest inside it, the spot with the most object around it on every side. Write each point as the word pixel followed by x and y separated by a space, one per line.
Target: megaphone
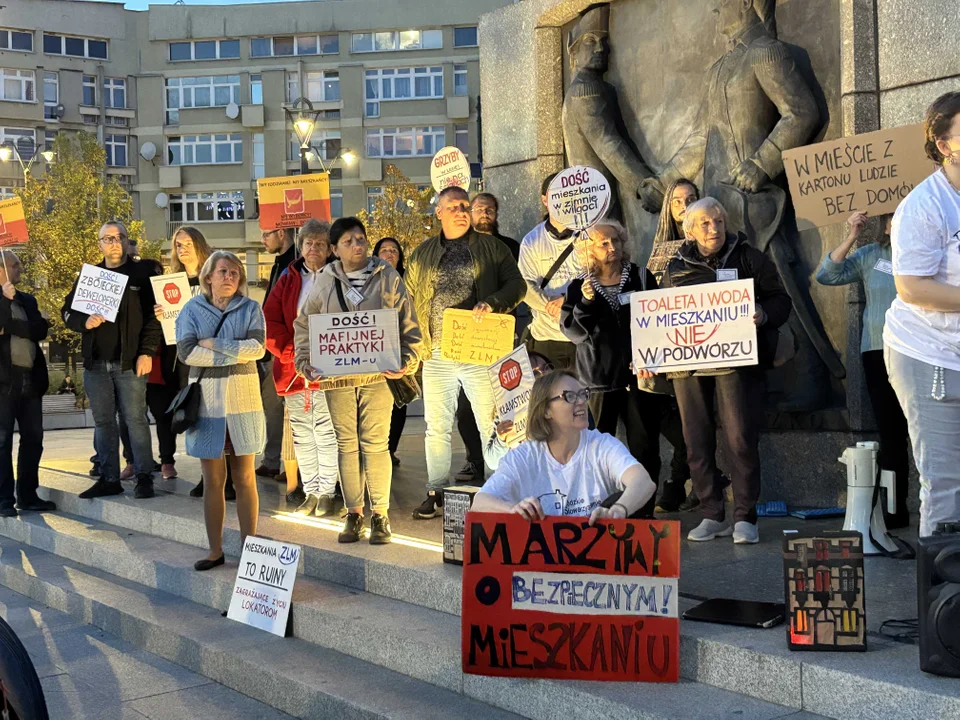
pixel 862 516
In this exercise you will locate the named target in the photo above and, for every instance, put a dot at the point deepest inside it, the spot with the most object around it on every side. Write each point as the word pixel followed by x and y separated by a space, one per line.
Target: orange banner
pixel 13 225
pixel 291 201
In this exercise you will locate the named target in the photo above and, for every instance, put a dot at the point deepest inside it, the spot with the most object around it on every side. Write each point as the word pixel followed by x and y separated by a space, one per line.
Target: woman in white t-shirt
pixel 922 332
pixel 565 468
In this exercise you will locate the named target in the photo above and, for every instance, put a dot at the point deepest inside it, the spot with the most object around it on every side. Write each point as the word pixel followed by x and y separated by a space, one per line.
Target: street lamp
pixel 304 119
pixel 317 151
pixel 25 146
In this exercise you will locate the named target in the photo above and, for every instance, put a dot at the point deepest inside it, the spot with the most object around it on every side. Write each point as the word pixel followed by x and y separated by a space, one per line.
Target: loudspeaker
pixel 938 595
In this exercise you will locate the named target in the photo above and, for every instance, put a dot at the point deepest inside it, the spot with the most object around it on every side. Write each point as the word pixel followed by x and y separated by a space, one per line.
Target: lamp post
pixel 9 151
pixel 304 120
pixel 318 151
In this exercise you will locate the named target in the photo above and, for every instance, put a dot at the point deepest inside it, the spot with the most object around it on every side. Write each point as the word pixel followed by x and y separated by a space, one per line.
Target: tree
pixel 64 209
pixel 402 212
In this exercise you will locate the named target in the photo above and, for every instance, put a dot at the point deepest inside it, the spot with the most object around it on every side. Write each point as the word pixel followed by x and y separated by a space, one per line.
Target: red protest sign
pixel 13 224
pixel 561 599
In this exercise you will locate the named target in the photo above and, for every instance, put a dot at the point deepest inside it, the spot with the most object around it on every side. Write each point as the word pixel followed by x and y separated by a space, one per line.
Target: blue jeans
pixel 314 441
pixel 442 380
pixel 107 387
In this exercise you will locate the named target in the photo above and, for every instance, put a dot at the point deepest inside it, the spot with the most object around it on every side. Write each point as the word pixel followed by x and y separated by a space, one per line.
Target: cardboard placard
pixel 560 599
pixel 696 327
pixel 13 223
pixel 99 292
pixel 873 172
pixel 475 343
pixel 355 343
pixel 456 504
pixel 264 585
pixel 579 197
pixel 512 380
pixel 291 201
pixel 449 168
pixel 171 293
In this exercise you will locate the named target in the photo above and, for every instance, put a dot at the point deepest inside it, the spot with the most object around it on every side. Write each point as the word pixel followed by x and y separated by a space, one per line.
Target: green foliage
pixel 402 212
pixel 64 209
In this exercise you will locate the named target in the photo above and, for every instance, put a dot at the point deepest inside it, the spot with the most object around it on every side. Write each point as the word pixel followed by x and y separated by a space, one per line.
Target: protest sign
pixel 872 172
pixel 696 327
pixel 355 343
pixel 13 224
pixel 449 168
pixel 475 343
pixel 264 585
pixel 99 292
pixel 512 381
pixel 171 293
pixel 560 599
pixel 578 197
pixel 287 202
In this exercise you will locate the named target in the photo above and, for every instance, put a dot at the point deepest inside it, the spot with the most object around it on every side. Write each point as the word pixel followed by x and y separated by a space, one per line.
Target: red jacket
pixel 280 310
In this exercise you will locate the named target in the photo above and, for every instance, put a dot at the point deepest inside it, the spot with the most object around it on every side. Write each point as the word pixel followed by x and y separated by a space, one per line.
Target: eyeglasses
pixel 113 239
pixel 573 396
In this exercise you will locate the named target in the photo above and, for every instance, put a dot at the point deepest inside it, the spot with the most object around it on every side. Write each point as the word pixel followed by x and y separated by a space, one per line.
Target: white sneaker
pixel 710 529
pixel 745 533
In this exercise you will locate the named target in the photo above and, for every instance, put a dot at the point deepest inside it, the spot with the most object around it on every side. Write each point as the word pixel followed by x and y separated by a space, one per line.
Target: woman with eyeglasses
pixel 565 468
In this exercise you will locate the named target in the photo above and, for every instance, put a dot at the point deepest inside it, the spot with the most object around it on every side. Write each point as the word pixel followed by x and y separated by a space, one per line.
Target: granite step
pixel 411 640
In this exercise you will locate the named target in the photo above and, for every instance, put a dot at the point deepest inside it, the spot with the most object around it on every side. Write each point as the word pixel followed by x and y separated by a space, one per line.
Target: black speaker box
pixel 938 595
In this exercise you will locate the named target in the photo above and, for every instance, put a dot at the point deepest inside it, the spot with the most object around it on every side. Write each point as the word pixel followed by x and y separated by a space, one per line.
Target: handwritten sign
pixel 579 197
pixel 449 168
pixel 355 343
pixel 290 201
pixel 560 599
pixel 171 293
pixel 512 381
pixel 13 224
pixel 475 343
pixel 872 172
pixel 99 292
pixel 264 585
pixel 695 327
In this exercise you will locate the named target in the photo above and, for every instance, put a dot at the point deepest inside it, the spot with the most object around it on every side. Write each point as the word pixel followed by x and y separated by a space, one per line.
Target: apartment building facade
pixel 189 101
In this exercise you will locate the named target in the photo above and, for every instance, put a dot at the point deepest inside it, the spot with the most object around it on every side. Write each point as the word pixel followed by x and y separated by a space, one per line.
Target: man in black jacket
pixel 117 358
pixel 735 396
pixel 23 382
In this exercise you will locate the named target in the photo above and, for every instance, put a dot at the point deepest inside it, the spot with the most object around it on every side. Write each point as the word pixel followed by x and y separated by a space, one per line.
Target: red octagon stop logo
pixel 510 375
pixel 171 293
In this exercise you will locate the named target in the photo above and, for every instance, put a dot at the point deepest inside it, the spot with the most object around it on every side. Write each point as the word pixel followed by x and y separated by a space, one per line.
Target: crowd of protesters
pixel 260 395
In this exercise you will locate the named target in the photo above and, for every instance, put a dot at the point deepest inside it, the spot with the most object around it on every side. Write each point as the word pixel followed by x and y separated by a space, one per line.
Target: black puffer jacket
pixel 602 334
pixel 688 268
pixel 34 328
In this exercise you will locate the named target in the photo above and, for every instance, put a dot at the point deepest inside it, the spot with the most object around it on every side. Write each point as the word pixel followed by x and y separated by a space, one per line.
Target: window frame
pixel 110 86
pixel 25 78
pixel 319 37
pixel 389 76
pixel 9 32
pixel 51 117
pixel 193 50
pixel 178 84
pixel 460 71
pixel 88 82
pixel 86 45
pixel 111 143
pixel 317 140
pixel 405 134
pixel 11 133
pixel 397 43
pixel 257 141
pixel 336 195
pixel 458 130
pixel 184 201
pixel 476 32
pixel 323 74
pixel 256 83
pixel 233 140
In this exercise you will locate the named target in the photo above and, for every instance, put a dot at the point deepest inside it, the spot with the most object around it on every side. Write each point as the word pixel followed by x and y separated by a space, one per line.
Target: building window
pixel 323 86
pixel 116 147
pixel 205 50
pixel 118 121
pixel 51 96
pixel 256 89
pixel 327 142
pixel 8 192
pixel 205 149
pixel 459 79
pixel 206 207
pixel 397 40
pixel 259 164
pixel 200 92
pixel 336 203
pixel 465 36
pixel 417 83
pixel 74 46
pixel 17 85
pixel 286 45
pixel 115 93
pixel 89 90
pixel 461 138
pixel 14 135
pixel 374 193
pixel 49 137
pixel 18 40
pixel 405 142
pixel 293 86
pixel 329 115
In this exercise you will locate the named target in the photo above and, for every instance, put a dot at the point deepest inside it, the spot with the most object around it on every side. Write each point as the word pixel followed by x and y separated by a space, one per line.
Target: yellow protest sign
pixel 476 343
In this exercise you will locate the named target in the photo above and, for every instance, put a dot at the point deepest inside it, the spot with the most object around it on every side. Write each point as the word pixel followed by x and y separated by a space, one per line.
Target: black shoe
pixel 691 503
pixel 144 487
pixel 102 488
pixel 394 459
pixel 380 530
pixel 8 510
pixel 201 565
pixel 229 492
pixel 324 506
pixel 308 506
pixel 37 505
pixel 264 471
pixel 296 496
pixel 353 529
pixel 468 473
pixel 198 490
pixel 95 470
pixel 428 508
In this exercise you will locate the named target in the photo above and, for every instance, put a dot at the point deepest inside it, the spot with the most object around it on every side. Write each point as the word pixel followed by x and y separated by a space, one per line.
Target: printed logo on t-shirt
pixel 553 503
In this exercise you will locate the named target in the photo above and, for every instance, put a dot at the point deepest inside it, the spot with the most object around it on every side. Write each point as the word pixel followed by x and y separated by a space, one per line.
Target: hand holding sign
pixel 94 321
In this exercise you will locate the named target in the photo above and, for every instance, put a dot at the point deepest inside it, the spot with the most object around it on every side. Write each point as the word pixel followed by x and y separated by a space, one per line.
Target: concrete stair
pixel 396 608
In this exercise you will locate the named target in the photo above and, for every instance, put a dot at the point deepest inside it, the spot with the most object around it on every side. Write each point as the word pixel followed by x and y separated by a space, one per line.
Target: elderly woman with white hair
pixel 734 396
pixel 220 335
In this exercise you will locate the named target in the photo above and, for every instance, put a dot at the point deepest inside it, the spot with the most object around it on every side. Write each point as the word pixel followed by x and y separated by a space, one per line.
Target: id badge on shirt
pixel 355 296
pixel 884 266
pixel 624 298
pixel 726 274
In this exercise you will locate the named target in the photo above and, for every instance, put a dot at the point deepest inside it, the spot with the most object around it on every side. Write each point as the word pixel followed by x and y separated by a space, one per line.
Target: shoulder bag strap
pixel 556 266
pixel 339 286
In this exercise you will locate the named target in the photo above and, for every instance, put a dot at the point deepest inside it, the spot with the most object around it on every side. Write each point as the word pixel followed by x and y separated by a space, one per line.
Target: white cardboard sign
pixel 264 586
pixel 449 168
pixel 579 197
pixel 171 293
pixel 695 327
pixel 512 381
pixel 99 292
pixel 355 343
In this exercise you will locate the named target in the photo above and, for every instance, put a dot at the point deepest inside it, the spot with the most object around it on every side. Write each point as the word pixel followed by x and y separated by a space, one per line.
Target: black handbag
pixel 405 390
pixel 185 407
